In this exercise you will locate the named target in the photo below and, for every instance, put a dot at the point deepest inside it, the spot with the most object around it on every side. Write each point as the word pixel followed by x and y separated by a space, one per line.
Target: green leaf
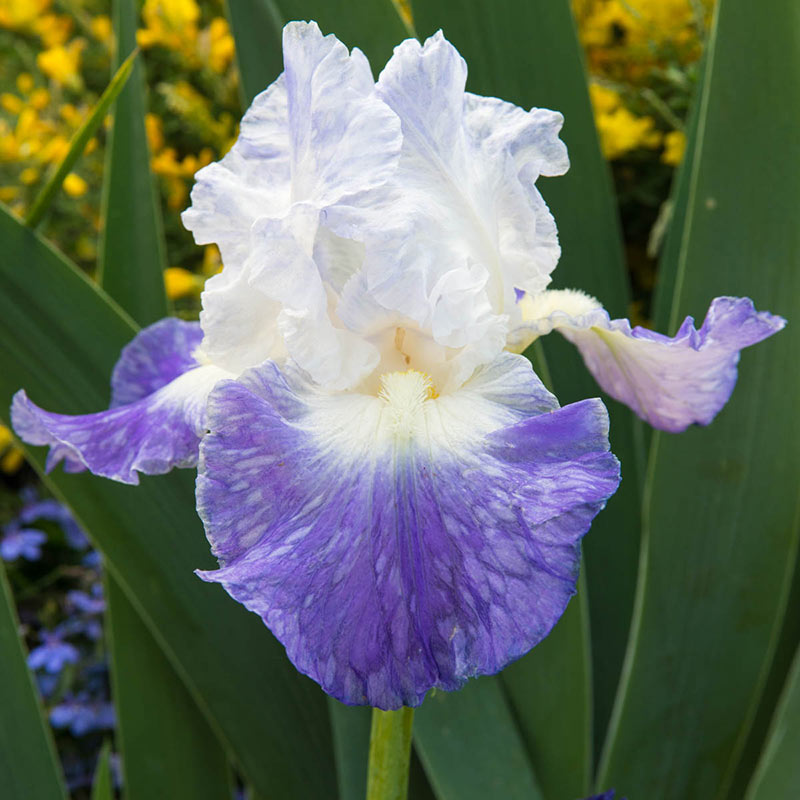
pixel 778 772
pixel 256 27
pixel 171 752
pixel 526 52
pixel 373 25
pixel 29 765
pixel 132 249
pixel 542 714
pixel 470 747
pixel 722 502
pixel 350 729
pixel 167 747
pixel 62 337
pixel 102 784
pixel 79 141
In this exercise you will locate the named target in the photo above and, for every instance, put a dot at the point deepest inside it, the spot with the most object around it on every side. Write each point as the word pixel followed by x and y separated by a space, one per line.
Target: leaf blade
pixel 476 720
pixel 29 764
pixel 721 505
pixel 167 746
pixel 778 771
pixel 132 253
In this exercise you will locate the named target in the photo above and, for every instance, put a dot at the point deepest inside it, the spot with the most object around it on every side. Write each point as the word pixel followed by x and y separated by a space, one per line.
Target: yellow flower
pixel 604 100
pixel 12 456
pixel 52 29
pixel 70 114
pixel 221 45
pixel 54 150
pixel 180 282
pixel 620 131
pixel 11 103
pixel 674 148
pixel 212 260
pixel 74 185
pixel 28 176
pixel 21 14
pixel 62 64
pixel 12 461
pixel 171 24
pixel 24 82
pixel 155 132
pixel 40 99
pixel 101 28
pixel 8 193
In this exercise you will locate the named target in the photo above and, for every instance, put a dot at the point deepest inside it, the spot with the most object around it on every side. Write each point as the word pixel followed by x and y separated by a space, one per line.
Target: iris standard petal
pixel 465 181
pixel 311 151
pixel 158 428
pixel 401 542
pixel 671 382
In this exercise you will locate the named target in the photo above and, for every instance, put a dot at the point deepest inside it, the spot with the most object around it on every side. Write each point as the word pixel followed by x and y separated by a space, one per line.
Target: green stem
pixel 389 754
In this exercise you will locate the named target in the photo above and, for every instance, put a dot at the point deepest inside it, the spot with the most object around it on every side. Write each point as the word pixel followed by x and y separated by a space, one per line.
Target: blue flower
pixel 82 715
pixel 21 542
pixel 396 495
pixel 53 654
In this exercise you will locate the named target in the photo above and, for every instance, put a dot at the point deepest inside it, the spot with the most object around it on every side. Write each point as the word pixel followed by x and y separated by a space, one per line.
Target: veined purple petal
pixel 399 543
pixel 159 430
pixel 160 353
pixel 671 382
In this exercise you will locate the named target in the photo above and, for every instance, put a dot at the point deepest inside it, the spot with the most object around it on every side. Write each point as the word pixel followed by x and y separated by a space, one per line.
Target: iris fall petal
pixel 157 416
pixel 405 541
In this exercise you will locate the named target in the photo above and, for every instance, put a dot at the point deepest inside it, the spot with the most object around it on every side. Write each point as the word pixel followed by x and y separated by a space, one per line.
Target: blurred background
pixel 642 59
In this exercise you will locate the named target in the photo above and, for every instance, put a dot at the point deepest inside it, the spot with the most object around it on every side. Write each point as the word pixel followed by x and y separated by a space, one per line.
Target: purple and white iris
pixel 393 492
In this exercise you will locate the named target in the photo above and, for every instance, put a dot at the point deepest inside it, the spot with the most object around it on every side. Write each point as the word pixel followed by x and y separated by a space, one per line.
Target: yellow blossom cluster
pixel 34 136
pixel 632 46
pixel 177 173
pixel 175 25
pixel 620 131
pixel 34 17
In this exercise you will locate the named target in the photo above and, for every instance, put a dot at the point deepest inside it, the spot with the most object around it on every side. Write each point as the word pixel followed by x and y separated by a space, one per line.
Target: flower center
pixel 404 394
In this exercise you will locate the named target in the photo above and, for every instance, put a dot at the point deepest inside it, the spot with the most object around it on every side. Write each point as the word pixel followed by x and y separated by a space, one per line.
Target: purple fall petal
pixel 388 565
pixel 158 429
pixel 157 356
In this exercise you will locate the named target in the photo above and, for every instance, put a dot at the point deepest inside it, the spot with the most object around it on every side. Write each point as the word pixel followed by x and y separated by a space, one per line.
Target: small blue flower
pixel 82 715
pixel 21 542
pixel 47 683
pixel 35 509
pixel 88 604
pixel 53 654
pixel 609 795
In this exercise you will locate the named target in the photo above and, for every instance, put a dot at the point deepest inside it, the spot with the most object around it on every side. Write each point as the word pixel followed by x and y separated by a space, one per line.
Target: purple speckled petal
pixel 160 426
pixel 156 356
pixel 395 546
pixel 671 382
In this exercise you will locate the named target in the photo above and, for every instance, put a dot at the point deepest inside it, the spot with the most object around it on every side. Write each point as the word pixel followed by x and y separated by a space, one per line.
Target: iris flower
pixel 394 492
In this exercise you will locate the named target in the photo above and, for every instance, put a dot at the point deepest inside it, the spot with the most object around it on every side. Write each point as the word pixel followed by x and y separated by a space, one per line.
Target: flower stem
pixel 389 754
